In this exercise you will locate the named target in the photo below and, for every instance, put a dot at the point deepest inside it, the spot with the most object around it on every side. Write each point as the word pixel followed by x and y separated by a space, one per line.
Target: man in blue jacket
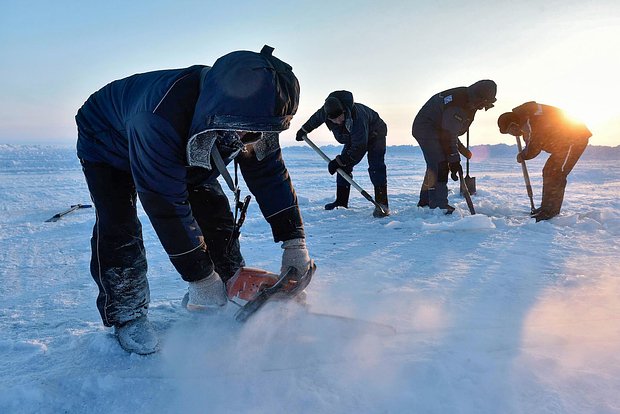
pixel 437 126
pixel 362 131
pixel 159 136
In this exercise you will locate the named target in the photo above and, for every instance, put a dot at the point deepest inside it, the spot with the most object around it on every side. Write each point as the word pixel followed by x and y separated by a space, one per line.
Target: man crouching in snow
pixel 159 135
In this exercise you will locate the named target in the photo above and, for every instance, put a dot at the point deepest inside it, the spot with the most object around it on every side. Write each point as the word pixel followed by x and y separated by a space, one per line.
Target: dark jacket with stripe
pixel 551 130
pixel 142 124
pixel 448 115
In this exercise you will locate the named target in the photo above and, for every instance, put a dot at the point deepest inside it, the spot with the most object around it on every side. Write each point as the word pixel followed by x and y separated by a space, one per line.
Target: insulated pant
pixel 212 212
pixel 556 170
pixel 377 171
pixel 118 262
pixel 434 190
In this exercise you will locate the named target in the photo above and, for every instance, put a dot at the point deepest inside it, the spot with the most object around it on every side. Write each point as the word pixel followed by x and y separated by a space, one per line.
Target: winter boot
pixel 543 215
pixel 342 198
pixel 423 202
pixel 535 211
pixel 381 197
pixel 552 198
pixel 205 294
pixel 137 336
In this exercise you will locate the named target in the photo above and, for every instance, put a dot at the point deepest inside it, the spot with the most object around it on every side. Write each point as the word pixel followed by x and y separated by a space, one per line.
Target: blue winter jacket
pixel 142 124
pixel 447 115
pixel 361 125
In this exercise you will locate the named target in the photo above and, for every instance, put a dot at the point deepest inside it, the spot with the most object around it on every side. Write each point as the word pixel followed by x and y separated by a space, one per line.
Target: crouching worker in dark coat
pixel 362 131
pixel 437 126
pixel 546 128
pixel 160 136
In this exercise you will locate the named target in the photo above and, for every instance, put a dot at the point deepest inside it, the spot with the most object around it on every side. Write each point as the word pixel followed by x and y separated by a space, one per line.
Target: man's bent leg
pixel 118 263
pixel 211 210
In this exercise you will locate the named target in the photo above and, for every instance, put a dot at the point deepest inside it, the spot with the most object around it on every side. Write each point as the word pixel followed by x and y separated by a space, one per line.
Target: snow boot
pixel 543 215
pixel 381 197
pixel 423 202
pixel 535 211
pixel 552 198
pixel 449 209
pixel 137 336
pixel 205 294
pixel 342 198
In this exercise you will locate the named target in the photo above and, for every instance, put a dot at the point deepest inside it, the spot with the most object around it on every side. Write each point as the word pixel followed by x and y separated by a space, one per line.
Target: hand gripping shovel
pixel 526 177
pixel 346 176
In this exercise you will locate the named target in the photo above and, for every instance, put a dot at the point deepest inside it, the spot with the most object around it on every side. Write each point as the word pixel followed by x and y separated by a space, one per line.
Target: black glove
pixel 519 158
pixel 334 164
pixel 465 153
pixel 300 135
pixel 455 168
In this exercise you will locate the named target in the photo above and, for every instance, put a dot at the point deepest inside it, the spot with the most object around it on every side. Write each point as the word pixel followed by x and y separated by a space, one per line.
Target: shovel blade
pixel 470 182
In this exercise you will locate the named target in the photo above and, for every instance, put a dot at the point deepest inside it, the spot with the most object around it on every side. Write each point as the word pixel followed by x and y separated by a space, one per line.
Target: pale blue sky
pixel 392 55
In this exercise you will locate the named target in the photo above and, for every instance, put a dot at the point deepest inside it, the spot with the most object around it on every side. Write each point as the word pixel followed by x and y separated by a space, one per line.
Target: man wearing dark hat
pixel 362 131
pixel 546 128
pixel 437 126
pixel 165 136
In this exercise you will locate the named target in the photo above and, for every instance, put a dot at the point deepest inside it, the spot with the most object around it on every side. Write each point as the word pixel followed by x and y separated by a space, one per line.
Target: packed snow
pixel 491 313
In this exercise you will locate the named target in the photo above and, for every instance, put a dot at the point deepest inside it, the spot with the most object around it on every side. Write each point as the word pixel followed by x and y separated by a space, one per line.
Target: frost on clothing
pixel 141 126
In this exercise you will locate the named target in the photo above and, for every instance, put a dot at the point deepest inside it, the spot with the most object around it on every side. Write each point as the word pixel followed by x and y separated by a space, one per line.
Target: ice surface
pixel 493 313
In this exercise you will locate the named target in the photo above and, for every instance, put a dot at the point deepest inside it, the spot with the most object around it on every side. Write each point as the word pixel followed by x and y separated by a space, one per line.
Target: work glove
pixel 519 158
pixel 300 135
pixel 334 164
pixel 208 293
pixel 455 168
pixel 465 153
pixel 295 255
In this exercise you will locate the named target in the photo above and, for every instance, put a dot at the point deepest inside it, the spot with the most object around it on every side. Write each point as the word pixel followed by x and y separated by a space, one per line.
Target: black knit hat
pixel 332 107
pixel 505 119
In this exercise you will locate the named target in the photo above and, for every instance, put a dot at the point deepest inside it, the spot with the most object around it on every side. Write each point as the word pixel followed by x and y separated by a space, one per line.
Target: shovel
pixel 526 178
pixel 465 192
pixel 470 182
pixel 58 216
pixel 347 177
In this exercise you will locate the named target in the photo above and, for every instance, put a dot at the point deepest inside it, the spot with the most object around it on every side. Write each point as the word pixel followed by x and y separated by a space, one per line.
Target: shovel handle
pixel 345 175
pixel 526 176
pixel 467 162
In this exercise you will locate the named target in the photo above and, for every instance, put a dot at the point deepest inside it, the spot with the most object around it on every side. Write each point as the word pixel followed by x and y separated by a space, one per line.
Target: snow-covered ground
pixel 491 313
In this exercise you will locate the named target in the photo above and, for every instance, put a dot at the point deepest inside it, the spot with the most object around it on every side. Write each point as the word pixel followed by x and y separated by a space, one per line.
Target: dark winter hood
pixel 243 91
pixel 482 94
pixel 504 121
pixel 346 100
pixel 247 91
